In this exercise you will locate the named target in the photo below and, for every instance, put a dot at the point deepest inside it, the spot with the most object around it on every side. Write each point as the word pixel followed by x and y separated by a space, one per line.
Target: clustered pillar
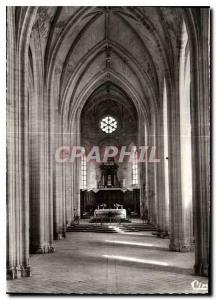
pixel 18 147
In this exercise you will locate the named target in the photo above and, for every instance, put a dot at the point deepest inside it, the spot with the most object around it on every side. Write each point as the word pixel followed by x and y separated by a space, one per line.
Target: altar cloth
pixel 110 213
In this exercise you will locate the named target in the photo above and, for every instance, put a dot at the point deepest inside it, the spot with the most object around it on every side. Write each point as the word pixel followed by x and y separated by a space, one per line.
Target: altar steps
pixel 111 228
pixel 136 227
pixel 91 228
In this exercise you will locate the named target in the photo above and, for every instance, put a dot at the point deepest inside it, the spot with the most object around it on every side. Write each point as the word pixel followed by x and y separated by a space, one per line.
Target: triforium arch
pixel 60 59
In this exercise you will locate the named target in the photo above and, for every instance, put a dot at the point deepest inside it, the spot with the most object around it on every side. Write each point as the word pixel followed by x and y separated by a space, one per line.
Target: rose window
pixel 108 124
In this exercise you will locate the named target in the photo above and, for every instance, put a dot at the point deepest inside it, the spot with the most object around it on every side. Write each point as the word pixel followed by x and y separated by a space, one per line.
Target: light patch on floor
pixel 106 263
pixel 133 259
pixel 130 243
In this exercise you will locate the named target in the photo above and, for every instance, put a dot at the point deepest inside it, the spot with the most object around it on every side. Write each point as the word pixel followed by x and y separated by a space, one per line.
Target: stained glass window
pixel 83 172
pixel 135 170
pixel 108 124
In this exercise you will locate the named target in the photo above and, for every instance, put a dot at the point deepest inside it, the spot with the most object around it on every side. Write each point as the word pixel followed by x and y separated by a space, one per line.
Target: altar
pixel 102 199
pixel 114 213
pixel 91 200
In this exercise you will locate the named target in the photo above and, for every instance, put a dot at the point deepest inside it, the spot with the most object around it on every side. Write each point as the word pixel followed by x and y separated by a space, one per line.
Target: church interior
pixel 98 78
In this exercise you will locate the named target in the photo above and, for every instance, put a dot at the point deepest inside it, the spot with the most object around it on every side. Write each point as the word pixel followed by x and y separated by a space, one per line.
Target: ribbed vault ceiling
pixel 89 47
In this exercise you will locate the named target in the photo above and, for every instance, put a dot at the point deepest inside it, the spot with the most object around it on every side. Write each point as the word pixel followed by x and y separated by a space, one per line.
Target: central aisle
pixel 109 263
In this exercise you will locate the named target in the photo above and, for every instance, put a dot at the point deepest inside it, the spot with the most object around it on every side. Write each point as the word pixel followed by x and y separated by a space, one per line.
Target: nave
pixel 86 80
pixel 110 263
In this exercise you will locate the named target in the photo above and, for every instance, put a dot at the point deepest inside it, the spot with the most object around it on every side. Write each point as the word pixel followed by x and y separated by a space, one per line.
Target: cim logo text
pixel 199 286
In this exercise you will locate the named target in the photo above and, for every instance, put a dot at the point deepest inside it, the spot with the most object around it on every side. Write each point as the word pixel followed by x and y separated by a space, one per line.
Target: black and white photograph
pixel 108 143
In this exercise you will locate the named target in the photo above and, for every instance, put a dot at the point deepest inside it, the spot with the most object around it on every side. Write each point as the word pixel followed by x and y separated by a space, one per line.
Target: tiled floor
pixel 97 263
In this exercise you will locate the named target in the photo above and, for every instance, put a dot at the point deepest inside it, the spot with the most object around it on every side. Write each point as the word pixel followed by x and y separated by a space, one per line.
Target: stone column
pixel 48 176
pixel 76 169
pixel 64 178
pixel 59 189
pixel 152 180
pixel 200 86
pixel 17 146
pixel 41 225
pixel 68 187
pixel 163 202
pixel 176 229
pixel 179 227
pixel 141 170
pixel 146 177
